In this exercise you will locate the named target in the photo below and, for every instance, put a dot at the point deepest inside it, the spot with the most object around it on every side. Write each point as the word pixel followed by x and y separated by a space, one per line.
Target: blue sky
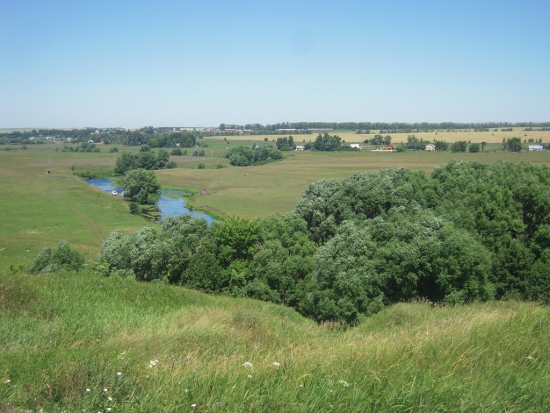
pixel 188 63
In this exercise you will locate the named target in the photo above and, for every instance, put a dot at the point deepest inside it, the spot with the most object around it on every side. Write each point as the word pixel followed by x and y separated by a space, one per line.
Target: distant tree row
pixel 242 156
pixel 143 160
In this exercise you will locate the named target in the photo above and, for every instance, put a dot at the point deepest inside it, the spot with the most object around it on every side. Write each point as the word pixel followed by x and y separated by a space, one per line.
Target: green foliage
pixel 327 142
pixel 143 160
pixel 459 146
pixel 201 166
pixel 467 233
pixel 134 208
pixel 513 144
pixel 141 186
pixel 285 144
pixel 176 151
pixel 474 148
pixel 114 149
pixel 62 258
pixel 198 152
pixel 242 156
pixel 379 140
pixel 441 146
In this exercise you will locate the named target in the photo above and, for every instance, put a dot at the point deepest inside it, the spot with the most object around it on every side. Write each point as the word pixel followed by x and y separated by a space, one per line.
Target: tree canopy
pixel 141 186
pixel 468 232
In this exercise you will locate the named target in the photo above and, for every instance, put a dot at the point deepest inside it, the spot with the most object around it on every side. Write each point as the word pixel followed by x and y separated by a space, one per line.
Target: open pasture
pixel 259 191
pixel 39 209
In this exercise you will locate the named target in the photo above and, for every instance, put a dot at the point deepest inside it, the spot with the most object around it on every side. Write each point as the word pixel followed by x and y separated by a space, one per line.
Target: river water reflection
pixel 171 203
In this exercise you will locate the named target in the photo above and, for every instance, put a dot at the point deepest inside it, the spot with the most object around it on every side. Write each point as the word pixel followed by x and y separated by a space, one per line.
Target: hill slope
pixel 174 348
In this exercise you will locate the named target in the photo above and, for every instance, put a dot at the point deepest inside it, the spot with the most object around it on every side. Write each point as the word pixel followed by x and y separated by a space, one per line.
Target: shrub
pixel 63 258
pixel 201 166
pixel 474 148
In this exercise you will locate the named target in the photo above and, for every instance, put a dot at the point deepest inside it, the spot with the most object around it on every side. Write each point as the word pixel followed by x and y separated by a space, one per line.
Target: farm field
pixel 450 137
pixel 263 190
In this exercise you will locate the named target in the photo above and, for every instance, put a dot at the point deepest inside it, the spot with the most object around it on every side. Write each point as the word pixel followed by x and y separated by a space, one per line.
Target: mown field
pixel 450 137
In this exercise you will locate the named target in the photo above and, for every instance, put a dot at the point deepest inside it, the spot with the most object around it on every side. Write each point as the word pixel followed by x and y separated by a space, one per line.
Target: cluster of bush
pixel 259 155
pixel 470 231
pixel 326 142
pixel 62 258
pixel 147 136
pixel 84 147
pixel 285 144
pixel 144 160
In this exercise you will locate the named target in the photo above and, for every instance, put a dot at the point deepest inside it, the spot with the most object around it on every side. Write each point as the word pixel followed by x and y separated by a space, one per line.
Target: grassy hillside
pixel 176 348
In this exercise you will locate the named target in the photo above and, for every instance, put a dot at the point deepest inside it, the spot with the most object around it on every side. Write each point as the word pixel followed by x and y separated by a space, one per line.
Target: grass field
pixel 175 348
pixel 142 347
pixel 277 187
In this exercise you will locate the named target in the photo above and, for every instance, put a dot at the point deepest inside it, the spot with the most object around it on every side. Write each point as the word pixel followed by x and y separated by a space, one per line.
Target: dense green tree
pixel 141 186
pixel 513 144
pixel 459 146
pixel 474 147
pixel 327 142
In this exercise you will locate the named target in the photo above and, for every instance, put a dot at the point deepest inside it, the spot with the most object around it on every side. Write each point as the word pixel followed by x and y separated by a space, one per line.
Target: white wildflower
pixel 104 390
pixel 193 406
pixel 301 385
pixel 108 409
pixel 248 365
pixel 153 363
pixel 276 364
pixel 88 390
pixel 343 383
pixel 118 373
pixel 8 381
pixel 529 358
pixel 109 399
pixel 185 390
pixel 249 376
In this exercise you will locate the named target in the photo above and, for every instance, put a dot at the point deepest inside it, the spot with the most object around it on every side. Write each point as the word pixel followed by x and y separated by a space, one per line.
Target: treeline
pixel 470 232
pixel 148 160
pixel 258 155
pixel 393 127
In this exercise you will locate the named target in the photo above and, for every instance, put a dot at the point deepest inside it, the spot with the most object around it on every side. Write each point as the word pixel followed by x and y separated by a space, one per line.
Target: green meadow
pixel 277 187
pixel 78 342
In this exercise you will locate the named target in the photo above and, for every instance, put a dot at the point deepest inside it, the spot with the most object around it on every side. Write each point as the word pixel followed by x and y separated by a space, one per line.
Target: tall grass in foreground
pixel 77 342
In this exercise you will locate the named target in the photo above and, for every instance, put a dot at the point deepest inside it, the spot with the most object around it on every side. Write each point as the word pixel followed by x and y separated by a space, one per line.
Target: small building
pixel 430 147
pixel 536 147
pixel 356 146
pixel 300 148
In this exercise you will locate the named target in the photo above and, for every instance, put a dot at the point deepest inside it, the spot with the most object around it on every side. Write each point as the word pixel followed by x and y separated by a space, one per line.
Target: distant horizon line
pixel 504 123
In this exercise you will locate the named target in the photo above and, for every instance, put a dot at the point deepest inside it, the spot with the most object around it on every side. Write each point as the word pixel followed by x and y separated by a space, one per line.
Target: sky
pixel 137 63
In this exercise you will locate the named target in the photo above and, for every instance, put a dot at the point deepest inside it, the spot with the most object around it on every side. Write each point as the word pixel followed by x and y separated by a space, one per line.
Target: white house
pixel 300 148
pixel 430 147
pixel 356 146
pixel 536 147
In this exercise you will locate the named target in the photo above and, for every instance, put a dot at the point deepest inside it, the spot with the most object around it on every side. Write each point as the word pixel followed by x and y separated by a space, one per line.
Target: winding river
pixel 171 203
